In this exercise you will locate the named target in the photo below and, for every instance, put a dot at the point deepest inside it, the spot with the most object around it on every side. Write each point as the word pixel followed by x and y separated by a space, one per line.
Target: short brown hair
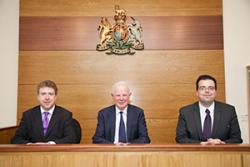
pixel 205 77
pixel 47 83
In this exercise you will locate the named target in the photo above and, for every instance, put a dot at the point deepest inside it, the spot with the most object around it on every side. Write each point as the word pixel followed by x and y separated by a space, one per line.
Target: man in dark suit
pixel 121 122
pixel 208 121
pixel 46 123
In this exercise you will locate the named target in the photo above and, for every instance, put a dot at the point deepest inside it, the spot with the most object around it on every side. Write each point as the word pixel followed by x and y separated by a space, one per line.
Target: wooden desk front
pixel 124 156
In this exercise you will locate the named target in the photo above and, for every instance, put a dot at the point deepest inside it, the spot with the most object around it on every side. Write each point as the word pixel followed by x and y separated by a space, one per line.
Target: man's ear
pixel 196 93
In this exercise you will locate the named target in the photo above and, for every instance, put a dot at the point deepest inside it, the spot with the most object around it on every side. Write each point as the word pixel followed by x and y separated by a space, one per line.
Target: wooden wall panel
pixel 86 100
pixel 6 134
pixel 161 105
pixel 133 8
pixel 161 82
pixel 151 67
pixel 183 39
pixel 159 33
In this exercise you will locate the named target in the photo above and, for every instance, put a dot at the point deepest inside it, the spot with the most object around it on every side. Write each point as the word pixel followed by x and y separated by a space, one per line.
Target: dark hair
pixel 47 83
pixel 205 77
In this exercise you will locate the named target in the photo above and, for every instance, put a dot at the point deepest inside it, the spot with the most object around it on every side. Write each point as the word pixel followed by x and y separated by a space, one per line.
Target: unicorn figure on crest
pixel 135 30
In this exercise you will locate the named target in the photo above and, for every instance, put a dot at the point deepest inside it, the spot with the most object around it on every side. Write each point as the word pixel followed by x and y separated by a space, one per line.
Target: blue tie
pixel 207 126
pixel 122 131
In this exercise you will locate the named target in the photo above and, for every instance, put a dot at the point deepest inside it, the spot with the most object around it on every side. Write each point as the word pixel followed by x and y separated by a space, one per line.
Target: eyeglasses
pixel 204 88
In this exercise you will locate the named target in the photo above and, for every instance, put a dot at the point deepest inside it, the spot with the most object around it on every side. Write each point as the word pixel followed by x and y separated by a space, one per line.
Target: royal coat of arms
pixel 120 38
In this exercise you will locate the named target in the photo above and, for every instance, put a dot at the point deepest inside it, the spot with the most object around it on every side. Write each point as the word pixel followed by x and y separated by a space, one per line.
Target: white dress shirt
pixel 203 114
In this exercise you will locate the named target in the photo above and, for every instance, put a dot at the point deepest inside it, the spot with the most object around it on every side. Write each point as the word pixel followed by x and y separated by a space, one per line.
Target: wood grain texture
pixel 229 148
pixel 246 160
pixel 183 39
pixel 133 8
pixel 86 100
pixel 6 134
pixel 123 156
pixel 159 33
pixel 84 67
pixel 123 159
pixel 161 83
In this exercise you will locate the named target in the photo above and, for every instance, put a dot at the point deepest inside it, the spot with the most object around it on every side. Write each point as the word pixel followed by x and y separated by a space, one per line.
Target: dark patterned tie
pixel 122 131
pixel 45 122
pixel 207 126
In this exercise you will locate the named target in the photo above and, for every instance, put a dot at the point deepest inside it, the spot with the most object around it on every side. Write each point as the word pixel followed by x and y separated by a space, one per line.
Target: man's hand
pixel 212 142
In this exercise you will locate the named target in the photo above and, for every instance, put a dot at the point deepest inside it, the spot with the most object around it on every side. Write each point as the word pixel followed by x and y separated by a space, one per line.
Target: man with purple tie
pixel 46 123
pixel 208 121
pixel 122 122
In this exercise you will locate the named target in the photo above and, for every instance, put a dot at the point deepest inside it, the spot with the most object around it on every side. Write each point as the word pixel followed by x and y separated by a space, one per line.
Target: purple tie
pixel 45 122
pixel 207 126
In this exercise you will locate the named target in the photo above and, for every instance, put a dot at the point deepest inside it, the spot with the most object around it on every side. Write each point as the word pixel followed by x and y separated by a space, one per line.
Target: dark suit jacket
pixel 30 129
pixel 225 124
pixel 136 126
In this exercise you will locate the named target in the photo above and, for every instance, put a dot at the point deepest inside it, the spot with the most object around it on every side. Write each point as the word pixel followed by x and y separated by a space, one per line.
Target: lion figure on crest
pixel 105 29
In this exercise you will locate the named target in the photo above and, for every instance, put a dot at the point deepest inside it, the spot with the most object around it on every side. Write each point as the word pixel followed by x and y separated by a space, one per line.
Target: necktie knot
pixel 207 111
pixel 46 114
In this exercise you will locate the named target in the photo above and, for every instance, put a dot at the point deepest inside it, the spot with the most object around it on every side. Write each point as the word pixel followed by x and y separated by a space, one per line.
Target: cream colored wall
pixel 9 21
pixel 237 57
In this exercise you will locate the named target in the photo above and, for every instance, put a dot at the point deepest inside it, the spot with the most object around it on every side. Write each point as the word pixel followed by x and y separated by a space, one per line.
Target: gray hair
pixel 119 83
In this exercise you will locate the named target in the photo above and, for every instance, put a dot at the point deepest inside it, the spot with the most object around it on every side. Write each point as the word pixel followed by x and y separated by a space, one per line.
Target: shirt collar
pixel 50 111
pixel 210 108
pixel 117 110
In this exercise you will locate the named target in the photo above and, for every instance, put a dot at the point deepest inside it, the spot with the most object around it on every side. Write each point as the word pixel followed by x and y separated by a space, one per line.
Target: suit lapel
pixel 112 121
pixel 216 121
pixel 38 121
pixel 197 119
pixel 129 119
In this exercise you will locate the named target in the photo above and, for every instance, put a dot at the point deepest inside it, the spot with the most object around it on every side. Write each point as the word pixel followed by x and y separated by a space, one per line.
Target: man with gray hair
pixel 121 122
